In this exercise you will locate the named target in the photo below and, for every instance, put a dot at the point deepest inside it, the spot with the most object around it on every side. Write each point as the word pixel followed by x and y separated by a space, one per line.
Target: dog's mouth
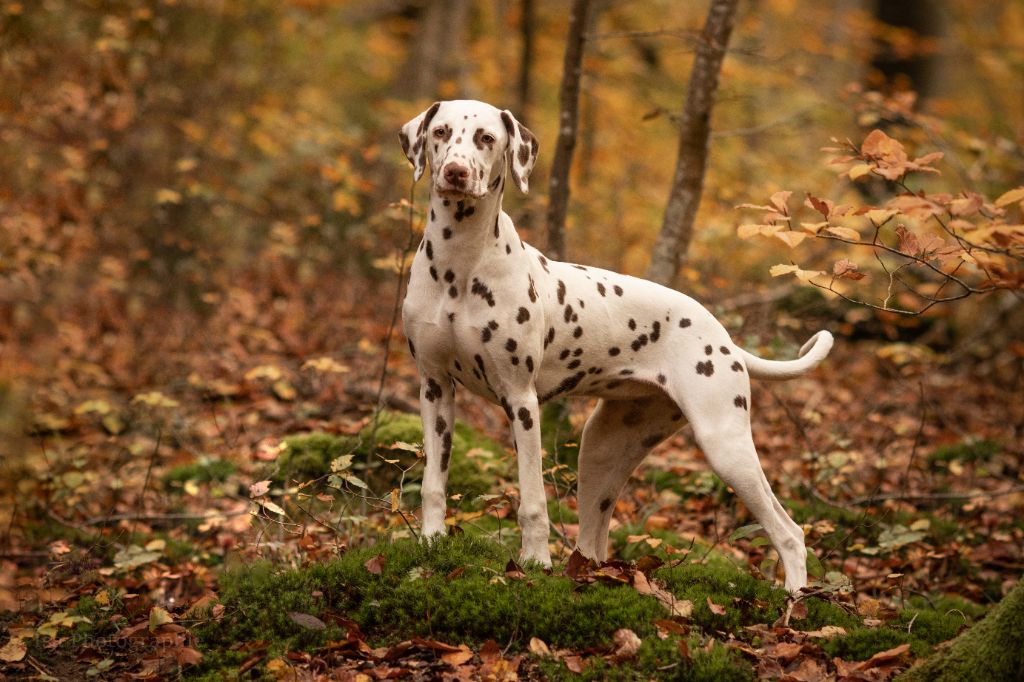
pixel 450 192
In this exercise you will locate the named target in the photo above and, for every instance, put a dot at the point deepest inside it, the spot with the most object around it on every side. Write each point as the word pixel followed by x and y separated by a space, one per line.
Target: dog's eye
pixel 487 138
pixel 438 132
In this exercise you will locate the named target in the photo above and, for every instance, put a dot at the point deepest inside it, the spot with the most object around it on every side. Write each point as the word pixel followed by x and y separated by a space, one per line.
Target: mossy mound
pixel 991 650
pixel 454 589
pixel 203 470
pixel 969 451
pixel 476 465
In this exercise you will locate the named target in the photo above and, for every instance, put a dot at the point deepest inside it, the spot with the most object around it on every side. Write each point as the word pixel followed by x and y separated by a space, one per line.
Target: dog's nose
pixel 456 175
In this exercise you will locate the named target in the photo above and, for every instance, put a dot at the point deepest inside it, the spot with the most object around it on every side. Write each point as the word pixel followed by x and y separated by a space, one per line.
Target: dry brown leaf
pixel 539 648
pixel 375 565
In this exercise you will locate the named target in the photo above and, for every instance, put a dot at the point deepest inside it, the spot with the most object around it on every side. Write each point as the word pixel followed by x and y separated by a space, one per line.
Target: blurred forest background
pixel 203 205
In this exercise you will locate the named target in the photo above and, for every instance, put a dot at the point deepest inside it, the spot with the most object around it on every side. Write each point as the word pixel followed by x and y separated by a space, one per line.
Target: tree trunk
pixel 991 650
pixel 432 58
pixel 525 62
pixel 688 181
pixel 569 96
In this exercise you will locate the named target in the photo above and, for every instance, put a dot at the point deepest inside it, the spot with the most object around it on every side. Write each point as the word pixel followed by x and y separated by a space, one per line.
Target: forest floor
pixel 172 515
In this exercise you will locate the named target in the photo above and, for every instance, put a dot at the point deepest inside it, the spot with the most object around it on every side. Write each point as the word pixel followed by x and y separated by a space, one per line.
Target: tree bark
pixel 694 130
pixel 525 62
pixel 440 36
pixel 991 650
pixel 568 98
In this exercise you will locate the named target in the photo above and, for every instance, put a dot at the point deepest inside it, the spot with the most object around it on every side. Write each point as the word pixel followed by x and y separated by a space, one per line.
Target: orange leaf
pixel 715 608
pixel 375 565
pixel 457 658
pixel 845 269
pixel 1011 197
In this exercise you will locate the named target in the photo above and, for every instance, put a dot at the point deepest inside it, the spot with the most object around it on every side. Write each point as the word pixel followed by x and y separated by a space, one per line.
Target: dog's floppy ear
pixel 413 136
pixel 522 151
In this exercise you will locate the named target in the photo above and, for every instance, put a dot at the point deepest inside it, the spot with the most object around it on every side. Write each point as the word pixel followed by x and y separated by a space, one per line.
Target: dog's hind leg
pixel 724 436
pixel 617 437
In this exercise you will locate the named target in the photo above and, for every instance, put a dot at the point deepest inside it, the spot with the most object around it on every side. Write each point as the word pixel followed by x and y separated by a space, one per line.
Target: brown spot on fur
pixel 652 440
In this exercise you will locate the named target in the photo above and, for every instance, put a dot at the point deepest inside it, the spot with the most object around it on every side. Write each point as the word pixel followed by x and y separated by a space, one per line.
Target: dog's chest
pixel 460 323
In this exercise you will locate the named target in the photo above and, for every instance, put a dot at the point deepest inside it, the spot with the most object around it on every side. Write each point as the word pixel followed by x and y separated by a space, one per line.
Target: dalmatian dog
pixel 492 313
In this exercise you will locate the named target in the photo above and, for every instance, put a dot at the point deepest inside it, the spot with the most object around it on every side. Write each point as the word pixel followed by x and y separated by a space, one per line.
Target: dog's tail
pixel 811 355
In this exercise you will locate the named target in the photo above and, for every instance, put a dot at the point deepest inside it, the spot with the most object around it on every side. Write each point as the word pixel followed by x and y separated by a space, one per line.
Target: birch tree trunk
pixel 694 130
pixel 569 98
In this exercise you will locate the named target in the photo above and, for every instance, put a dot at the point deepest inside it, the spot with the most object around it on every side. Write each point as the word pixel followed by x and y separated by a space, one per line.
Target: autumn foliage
pixel 209 443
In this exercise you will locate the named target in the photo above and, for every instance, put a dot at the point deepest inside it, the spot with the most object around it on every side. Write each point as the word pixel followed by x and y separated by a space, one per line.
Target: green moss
pixel 821 612
pixel 203 470
pixel 659 659
pixel 863 643
pixel 967 451
pixel 476 463
pixel 923 625
pixel 557 434
pixel 991 650
pixel 454 589
pixel 309 456
pixel 746 599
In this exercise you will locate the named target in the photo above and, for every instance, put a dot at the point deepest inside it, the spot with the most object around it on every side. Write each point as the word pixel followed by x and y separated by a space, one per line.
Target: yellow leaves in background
pixel 790 269
pixel 1012 197
pixel 326 365
pixel 155 399
pixel 278 384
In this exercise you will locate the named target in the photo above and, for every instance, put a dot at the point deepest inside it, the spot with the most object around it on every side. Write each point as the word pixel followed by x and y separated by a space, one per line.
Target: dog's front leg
pixel 437 408
pixel 533 508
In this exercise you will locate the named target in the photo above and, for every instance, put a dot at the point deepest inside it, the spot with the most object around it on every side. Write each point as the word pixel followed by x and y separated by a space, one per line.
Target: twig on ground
pixel 932 497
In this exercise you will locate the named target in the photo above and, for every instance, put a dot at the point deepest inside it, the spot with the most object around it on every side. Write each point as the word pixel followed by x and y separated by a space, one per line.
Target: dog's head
pixel 467 145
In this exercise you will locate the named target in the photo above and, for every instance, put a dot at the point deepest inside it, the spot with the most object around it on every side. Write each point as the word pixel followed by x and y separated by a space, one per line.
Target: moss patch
pixel 661 660
pixel 477 461
pixel 203 470
pixel 968 451
pixel 454 589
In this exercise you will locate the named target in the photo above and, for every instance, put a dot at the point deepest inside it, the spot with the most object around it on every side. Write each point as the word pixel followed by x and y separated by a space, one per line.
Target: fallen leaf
pixel 13 651
pixel 375 565
pixel 577 564
pixel 259 488
pixel 158 617
pixel 884 657
pixel 785 651
pixel 715 608
pixel 490 652
pixel 306 620
pixel 677 607
pixel 539 648
pixel 627 644
pixel 457 658
pixel 512 570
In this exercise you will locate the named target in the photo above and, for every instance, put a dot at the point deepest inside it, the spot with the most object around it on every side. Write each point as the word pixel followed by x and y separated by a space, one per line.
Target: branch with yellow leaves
pixel 985 253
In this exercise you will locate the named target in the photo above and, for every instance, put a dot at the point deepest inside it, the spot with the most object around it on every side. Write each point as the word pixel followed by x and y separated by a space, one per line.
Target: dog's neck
pixel 467 228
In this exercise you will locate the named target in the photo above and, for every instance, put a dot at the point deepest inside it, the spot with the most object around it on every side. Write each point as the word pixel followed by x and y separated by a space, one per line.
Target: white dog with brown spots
pixel 490 312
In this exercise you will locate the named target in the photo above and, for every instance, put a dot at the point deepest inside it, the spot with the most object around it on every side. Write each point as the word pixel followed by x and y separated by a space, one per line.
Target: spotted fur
pixel 648 353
